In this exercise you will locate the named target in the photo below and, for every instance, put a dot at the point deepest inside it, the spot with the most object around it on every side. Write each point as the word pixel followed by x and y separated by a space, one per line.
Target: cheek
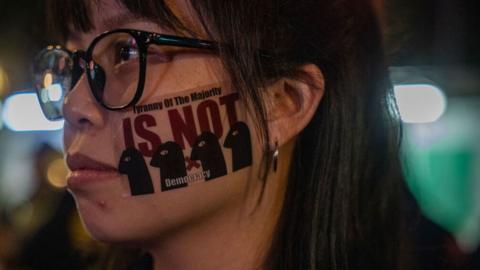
pixel 182 73
pixel 67 136
pixel 138 219
pixel 167 186
pixel 185 138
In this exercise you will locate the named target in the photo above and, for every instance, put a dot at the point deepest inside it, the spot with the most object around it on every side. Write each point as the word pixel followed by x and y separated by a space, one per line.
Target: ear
pixel 292 102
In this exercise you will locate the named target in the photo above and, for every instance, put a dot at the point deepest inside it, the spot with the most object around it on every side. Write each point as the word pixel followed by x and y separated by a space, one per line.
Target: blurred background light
pixel 22 112
pixel 57 173
pixel 51 93
pixel 420 103
pixel 47 79
pixel 4 84
pixel 1 118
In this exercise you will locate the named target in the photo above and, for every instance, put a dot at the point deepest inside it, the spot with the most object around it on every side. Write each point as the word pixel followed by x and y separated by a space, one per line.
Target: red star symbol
pixel 191 163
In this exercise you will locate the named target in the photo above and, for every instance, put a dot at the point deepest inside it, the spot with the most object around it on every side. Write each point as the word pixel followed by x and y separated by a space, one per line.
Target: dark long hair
pixel 342 208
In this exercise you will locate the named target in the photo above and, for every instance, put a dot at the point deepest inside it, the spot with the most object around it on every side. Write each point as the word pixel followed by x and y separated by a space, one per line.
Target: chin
pixel 99 220
pixel 117 221
pixel 95 220
pixel 108 229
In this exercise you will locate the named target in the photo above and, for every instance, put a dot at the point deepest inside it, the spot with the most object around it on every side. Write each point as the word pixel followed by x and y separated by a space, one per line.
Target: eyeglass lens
pixel 115 70
pixel 52 79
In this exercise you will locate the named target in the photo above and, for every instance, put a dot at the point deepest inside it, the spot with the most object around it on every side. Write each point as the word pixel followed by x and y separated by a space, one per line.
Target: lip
pixel 85 170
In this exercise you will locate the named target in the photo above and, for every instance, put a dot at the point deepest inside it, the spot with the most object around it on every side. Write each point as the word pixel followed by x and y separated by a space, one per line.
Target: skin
pixel 214 225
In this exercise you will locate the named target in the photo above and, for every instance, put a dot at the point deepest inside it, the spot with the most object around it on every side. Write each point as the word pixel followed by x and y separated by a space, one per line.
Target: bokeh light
pixel 22 112
pixel 51 93
pixel 4 83
pixel 420 103
pixel 57 173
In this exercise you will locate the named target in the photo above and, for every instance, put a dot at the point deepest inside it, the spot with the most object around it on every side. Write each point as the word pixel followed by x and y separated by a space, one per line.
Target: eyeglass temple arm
pixel 162 39
pixel 184 42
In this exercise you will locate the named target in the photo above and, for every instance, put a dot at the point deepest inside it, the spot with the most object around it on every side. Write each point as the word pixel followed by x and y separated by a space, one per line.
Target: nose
pixel 80 109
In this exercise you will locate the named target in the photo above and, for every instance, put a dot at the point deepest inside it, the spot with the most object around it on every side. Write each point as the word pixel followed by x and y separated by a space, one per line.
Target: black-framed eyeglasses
pixel 115 64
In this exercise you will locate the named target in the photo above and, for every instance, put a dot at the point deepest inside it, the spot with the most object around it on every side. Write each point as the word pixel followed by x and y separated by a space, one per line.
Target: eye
pixel 127 159
pixel 125 50
pixel 201 144
pixel 113 51
pixel 235 133
pixel 164 152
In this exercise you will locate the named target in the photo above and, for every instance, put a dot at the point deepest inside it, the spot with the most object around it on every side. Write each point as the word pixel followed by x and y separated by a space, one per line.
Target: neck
pixel 237 238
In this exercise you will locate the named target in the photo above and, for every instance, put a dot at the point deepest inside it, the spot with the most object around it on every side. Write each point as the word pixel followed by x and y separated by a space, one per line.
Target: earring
pixel 275 157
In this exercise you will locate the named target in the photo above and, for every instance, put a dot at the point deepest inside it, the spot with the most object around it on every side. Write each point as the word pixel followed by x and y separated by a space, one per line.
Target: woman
pixel 229 134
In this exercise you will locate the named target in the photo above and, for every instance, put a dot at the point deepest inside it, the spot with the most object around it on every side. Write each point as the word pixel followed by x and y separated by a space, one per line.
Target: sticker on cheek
pixel 177 141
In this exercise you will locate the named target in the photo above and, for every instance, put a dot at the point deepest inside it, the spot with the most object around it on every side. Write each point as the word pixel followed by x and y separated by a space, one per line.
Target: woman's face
pixel 183 155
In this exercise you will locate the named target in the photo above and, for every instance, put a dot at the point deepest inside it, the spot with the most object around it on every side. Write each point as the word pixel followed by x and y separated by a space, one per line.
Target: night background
pixel 429 43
